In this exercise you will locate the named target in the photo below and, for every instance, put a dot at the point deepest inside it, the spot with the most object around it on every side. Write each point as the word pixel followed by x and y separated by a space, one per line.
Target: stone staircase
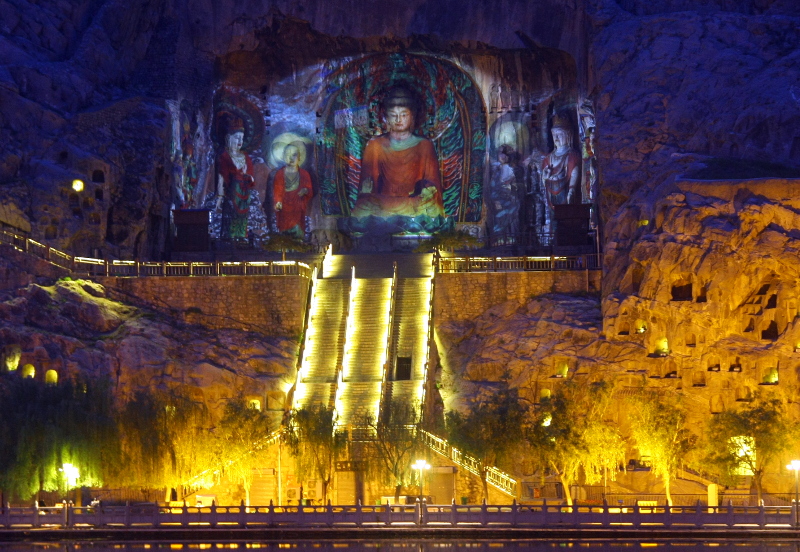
pixel 345 355
pixel 324 343
pixel 359 392
pixel 409 339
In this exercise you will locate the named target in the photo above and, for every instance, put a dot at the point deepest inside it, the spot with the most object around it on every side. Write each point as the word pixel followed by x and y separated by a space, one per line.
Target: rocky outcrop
pixel 71 328
pixel 675 87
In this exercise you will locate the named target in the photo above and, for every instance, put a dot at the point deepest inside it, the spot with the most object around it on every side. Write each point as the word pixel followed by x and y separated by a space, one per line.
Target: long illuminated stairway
pixel 409 350
pixel 322 354
pixel 363 314
pixel 359 392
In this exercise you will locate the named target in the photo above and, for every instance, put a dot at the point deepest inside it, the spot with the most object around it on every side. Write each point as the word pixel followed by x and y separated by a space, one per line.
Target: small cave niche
pixel 544 394
pixel 736 365
pixel 51 377
pixel 743 394
pixel 771 332
pixel 662 347
pixel 691 339
pixel 751 324
pixel 98 194
pixel 88 203
pixel 10 356
pixel 51 232
pixel 624 328
pixel 713 364
pixel 640 326
pixel 769 375
pixel 698 379
pixel 702 294
pixel 772 302
pixel 561 369
pixel 74 200
pixel 717 404
pixel 98 176
pixel 28 371
pixel 77 212
pixel 682 290
pixel 763 290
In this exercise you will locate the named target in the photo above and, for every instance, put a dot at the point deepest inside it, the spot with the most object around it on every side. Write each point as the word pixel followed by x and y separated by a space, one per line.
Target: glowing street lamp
pixel 71 474
pixel 420 465
pixel 77 185
pixel 794 466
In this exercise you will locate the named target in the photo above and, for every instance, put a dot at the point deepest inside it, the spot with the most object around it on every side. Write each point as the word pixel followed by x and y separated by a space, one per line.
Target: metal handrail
pixel 519 264
pixel 495 477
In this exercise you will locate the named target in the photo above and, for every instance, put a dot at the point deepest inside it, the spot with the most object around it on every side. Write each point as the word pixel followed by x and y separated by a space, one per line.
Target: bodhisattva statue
pixel 561 168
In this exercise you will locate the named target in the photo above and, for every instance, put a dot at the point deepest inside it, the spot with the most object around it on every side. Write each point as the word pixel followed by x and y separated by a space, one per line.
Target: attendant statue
pixel 504 192
pixel 234 182
pixel 292 191
pixel 399 169
pixel 561 168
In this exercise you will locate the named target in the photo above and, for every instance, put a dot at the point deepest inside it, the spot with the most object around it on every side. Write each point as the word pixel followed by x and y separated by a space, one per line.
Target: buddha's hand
pixel 303 192
pixel 278 206
pixel 366 186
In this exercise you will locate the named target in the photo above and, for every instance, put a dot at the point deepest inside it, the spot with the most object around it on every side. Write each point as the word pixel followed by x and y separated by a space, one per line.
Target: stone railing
pixel 679 518
pixel 494 477
pixel 518 264
pixel 87 266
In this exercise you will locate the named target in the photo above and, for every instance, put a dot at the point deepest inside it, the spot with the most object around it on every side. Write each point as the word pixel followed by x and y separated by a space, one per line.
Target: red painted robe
pixel 396 173
pixel 293 212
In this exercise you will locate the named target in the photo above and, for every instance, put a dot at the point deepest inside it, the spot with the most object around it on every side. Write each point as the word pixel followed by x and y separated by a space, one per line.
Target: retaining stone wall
pixel 466 295
pixel 271 305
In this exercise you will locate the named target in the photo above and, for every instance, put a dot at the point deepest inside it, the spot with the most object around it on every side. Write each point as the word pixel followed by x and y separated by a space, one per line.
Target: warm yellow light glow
pixel 744 446
pixel 794 465
pixel 71 474
pixel 77 185
pixel 547 419
pixel 644 222
pixel 420 465
pixel 662 346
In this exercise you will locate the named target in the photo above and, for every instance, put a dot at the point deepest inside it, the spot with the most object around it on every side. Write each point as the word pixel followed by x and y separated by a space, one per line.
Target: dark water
pixel 422 546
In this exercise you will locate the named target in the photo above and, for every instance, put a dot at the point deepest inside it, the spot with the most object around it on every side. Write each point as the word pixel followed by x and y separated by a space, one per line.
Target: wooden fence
pixel 422 515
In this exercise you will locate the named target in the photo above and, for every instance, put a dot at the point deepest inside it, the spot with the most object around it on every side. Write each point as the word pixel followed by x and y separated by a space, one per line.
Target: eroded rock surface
pixel 70 327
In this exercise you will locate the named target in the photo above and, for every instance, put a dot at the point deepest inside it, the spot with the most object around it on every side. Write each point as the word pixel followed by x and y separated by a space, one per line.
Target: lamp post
pixel 794 466
pixel 420 465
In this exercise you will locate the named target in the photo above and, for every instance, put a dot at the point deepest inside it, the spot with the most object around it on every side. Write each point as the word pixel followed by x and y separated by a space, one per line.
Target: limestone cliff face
pixel 71 327
pixel 708 83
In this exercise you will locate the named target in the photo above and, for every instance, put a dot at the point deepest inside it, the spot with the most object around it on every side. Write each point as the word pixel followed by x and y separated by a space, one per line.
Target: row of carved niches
pixel 325 139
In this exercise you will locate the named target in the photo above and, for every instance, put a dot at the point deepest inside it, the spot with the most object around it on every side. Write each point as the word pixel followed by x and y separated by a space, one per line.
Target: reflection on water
pixel 423 546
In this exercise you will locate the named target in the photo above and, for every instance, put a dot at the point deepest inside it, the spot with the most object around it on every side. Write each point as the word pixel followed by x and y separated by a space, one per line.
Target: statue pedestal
pixel 191 226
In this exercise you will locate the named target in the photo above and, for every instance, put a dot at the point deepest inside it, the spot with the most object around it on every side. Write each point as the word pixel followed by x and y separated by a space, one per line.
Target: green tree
pixel 44 427
pixel 490 431
pixel 396 441
pixel 239 437
pixel 658 426
pixel 311 439
pixel 166 434
pixel 569 434
pixel 748 440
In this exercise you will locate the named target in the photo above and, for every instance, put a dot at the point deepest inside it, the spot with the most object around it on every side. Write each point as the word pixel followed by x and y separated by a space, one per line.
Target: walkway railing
pixel 518 264
pixel 422 515
pixel 494 477
pixel 101 267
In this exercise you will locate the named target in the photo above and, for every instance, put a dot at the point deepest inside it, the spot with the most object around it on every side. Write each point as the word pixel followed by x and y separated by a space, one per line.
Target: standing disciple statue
pixel 292 191
pixel 561 168
pixel 234 182
pixel 504 192
pixel 399 170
